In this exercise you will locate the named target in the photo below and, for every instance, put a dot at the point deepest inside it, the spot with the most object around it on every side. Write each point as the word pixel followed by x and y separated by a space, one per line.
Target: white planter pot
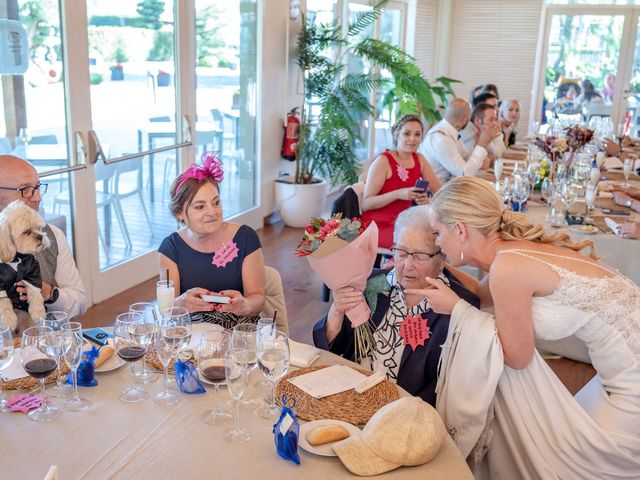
pixel 298 203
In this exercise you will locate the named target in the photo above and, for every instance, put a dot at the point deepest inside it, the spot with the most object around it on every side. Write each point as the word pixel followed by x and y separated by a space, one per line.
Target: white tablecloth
pixel 138 441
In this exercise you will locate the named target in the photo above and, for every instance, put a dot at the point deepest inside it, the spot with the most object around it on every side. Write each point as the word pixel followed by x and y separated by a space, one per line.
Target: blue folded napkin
pixel 86 369
pixel 286 432
pixel 187 377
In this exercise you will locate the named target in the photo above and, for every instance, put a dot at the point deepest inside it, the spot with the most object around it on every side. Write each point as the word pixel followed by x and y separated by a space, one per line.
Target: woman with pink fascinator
pixel 208 256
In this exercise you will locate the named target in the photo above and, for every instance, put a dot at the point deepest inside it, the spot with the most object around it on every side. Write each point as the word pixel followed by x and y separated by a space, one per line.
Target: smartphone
pixel 422 185
pixel 608 211
pixel 97 335
pixel 215 298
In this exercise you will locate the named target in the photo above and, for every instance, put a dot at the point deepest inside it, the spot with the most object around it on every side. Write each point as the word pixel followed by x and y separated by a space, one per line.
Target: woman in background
pixel 509 112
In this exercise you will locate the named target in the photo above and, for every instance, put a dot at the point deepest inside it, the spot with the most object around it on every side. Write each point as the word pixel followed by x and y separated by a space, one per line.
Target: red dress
pixel 385 217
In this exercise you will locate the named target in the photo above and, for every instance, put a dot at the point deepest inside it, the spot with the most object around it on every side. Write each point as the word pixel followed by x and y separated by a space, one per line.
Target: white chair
pixel 598 110
pixel 274 299
pixel 127 183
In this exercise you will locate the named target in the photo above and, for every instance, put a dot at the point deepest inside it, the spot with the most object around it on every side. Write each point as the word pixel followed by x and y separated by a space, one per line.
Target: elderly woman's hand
pixel 345 299
pixel 440 297
pixel 191 300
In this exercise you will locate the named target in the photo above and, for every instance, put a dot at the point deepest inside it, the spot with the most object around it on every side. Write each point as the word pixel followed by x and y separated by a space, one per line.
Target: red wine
pixel 214 373
pixel 131 354
pixel 40 367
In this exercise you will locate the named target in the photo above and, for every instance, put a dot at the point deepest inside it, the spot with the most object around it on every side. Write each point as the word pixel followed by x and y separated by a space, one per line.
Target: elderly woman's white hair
pixel 414 218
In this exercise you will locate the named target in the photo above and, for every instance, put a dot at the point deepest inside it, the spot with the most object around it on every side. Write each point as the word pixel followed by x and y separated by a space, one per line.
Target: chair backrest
pixel 44 140
pixel 274 299
pixel 348 203
pixel 598 110
pixel 217 117
pixel 164 118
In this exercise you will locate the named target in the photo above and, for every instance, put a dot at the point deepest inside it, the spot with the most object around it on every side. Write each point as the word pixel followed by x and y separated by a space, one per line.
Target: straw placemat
pixel 598 221
pixel 349 406
pixel 27 382
pixel 151 358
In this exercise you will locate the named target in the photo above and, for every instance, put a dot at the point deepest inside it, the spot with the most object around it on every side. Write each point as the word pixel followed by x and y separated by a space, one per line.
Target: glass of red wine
pixel 38 353
pixel 131 340
pixel 55 320
pixel 211 351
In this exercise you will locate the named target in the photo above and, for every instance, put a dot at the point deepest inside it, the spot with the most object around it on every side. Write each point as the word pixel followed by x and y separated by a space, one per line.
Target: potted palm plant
pixel 337 101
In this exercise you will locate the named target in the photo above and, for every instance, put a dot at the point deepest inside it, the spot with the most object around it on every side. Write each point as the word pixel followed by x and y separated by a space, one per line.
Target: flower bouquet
pixel 553 147
pixel 577 137
pixel 342 252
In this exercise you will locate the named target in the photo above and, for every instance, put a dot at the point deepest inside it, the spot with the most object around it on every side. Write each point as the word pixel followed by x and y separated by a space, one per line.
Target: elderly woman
pixel 416 256
pixel 209 255
pixel 509 116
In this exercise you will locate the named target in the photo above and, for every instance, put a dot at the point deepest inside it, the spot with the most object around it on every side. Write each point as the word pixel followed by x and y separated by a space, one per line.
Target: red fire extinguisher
pixel 291 133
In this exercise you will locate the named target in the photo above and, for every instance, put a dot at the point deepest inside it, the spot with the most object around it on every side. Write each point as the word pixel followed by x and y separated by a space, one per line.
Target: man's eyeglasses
pixel 401 255
pixel 28 192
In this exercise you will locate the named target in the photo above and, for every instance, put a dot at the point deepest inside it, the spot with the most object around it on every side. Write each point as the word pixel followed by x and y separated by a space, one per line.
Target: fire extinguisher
pixel 291 133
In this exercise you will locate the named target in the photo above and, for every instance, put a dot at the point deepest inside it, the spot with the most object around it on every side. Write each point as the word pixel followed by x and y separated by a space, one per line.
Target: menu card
pixel 328 381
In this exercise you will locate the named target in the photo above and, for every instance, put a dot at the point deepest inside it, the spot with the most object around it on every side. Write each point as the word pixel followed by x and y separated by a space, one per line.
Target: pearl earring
pixel 461 255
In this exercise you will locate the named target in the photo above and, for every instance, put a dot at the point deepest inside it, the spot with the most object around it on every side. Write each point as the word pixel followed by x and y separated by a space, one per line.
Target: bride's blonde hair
pixel 476 203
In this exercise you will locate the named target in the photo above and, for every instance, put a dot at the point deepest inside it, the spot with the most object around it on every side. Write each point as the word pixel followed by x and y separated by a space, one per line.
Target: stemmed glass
pixel 627 167
pixel 73 344
pixel 590 195
pixel 211 352
pixel 273 360
pixel 38 354
pixel 174 335
pixel 520 193
pixel 131 341
pixel 55 320
pixel 244 341
pixel 504 190
pixel 497 169
pixel 148 310
pixel 6 356
pixel 236 375
pixel 25 137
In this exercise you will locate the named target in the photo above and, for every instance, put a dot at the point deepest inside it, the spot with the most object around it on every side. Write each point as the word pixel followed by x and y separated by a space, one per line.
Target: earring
pixel 461 255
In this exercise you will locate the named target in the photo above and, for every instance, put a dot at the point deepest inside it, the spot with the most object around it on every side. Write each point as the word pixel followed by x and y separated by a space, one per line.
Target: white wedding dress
pixel 524 423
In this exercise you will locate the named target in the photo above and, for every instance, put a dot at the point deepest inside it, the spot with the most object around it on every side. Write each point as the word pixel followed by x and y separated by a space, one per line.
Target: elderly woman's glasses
pixel 401 255
pixel 28 192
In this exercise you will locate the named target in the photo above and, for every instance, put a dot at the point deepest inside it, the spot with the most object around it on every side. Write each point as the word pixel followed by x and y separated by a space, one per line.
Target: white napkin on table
pixel 301 354
pixel 612 162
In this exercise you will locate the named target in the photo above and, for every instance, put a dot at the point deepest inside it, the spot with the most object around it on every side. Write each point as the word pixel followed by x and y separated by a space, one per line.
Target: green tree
pixel 209 43
pixel 150 11
pixel 34 19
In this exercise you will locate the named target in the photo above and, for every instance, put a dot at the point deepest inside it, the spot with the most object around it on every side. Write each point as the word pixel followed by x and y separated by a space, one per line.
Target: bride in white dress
pixel 496 394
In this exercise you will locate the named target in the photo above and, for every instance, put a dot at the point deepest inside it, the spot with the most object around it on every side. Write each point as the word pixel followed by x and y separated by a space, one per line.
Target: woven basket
pixel 349 406
pixel 27 382
pixel 599 222
pixel 151 358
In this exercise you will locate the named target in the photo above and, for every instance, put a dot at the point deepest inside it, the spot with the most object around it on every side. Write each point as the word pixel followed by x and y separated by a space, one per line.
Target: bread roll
pixel 105 353
pixel 327 434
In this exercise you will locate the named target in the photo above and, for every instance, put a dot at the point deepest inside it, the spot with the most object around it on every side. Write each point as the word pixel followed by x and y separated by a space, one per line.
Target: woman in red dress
pixel 391 181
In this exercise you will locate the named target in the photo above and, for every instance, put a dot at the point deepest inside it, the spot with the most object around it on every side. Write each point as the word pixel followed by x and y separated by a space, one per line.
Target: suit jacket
pixel 418 370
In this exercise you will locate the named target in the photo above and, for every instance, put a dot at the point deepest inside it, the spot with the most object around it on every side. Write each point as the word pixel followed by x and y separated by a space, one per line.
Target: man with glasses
pixel 416 256
pixel 62 287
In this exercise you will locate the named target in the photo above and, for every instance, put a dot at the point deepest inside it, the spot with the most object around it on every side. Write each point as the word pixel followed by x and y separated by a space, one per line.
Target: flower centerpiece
pixel 577 137
pixel 553 148
pixel 342 252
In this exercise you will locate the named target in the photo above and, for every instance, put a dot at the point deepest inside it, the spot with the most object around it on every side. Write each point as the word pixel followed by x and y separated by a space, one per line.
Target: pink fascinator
pixel 211 167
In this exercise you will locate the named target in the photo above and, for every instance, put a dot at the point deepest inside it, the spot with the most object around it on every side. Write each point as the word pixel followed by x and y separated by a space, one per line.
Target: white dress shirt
pixel 448 155
pixel 72 297
pixel 468 137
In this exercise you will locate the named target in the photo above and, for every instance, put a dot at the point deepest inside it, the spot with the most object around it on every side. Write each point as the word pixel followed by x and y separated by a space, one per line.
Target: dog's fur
pixel 21 235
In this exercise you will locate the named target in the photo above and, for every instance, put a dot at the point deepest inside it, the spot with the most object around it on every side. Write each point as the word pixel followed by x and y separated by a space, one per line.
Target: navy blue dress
pixel 196 268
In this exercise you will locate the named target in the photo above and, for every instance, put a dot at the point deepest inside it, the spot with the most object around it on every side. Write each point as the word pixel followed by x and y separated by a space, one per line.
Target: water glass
pixel 165 294
pixel 148 311
pixel 504 190
pixel 498 164
pixel 174 335
pixel 557 211
pixel 213 347
pixel 7 352
pixel 627 167
pixel 244 341
pixel 38 352
pixel 131 342
pixel 73 345
pixel 55 320
pixel 237 375
pixel 590 195
pixel 273 360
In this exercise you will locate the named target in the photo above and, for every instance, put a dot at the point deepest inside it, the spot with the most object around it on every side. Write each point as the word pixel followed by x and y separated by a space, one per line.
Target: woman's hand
pixel 621 198
pixel 191 300
pixel 441 298
pixel 346 298
pixel 410 193
pixel 630 230
pixel 238 304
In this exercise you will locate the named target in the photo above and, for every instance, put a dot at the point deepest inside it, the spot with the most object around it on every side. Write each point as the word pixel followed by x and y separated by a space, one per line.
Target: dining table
pixel 118 440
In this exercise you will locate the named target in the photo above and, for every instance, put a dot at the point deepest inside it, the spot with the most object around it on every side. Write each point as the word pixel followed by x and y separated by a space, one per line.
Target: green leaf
pixel 376 285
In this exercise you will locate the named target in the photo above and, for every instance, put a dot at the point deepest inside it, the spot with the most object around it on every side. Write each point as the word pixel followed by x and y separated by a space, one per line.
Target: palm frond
pixel 366 18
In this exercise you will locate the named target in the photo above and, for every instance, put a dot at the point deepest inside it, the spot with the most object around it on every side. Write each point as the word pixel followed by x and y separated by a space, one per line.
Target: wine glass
pixel 520 193
pixel 236 374
pixel 590 195
pixel 244 340
pixel 38 354
pixel 266 327
pixel 165 294
pixel 211 352
pixel 273 360
pixel 25 137
pixel 55 320
pixel 74 343
pixel 627 167
pixel 568 192
pixel 174 335
pixel 6 357
pixel 504 190
pixel 131 341
pixel 148 311
pixel 497 169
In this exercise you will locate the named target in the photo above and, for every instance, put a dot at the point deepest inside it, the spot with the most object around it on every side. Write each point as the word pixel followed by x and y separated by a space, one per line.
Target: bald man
pixel 445 151
pixel 61 284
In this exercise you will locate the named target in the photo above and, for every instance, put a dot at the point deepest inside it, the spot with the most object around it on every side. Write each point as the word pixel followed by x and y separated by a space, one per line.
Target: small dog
pixel 21 235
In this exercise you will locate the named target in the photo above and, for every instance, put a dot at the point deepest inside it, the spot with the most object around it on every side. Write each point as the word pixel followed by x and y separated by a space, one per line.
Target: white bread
pixel 327 434
pixel 105 353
